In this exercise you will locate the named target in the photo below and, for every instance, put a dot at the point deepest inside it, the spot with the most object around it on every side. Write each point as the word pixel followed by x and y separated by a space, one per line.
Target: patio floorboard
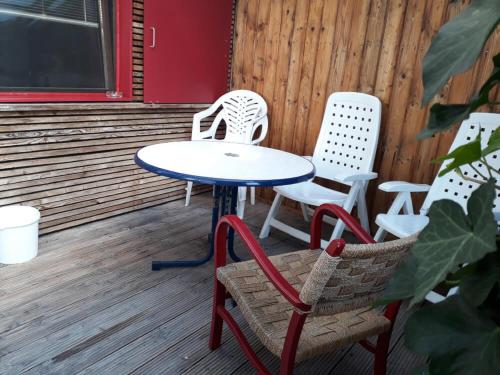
pixel 90 304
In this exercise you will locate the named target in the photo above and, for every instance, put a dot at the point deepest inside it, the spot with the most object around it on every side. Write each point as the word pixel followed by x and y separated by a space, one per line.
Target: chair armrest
pixel 197 133
pixel 403 187
pixel 280 283
pixel 340 213
pixel 346 177
pixel 262 122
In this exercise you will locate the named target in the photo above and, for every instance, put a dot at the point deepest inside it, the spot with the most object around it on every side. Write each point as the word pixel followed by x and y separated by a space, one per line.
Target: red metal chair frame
pixel 220 314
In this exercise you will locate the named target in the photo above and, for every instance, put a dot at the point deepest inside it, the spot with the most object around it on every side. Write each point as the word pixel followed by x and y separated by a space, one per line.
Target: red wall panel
pixel 186 50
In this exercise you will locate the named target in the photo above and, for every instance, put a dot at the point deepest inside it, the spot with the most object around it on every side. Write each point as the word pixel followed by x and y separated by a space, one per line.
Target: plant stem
pixel 477 171
pixel 488 168
pixel 481 182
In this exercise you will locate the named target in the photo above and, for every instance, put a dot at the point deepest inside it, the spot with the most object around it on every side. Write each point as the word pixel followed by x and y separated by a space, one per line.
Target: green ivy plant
pixel 460 335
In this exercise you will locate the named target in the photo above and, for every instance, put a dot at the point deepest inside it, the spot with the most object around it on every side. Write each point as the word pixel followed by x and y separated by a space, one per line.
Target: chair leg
pixel 408 204
pixel 271 215
pixel 381 352
pixel 291 343
pixel 380 235
pixel 303 207
pixel 216 326
pixel 242 196
pixel 362 210
pixel 240 210
pixel 252 195
pixel 189 187
pixel 383 340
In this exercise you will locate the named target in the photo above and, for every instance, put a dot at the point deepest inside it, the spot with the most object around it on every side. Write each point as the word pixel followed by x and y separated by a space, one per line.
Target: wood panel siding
pixel 138 50
pixel 76 163
pixel 295 53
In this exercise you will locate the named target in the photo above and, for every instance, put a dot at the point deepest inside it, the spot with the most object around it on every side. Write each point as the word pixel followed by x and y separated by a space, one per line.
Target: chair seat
pixel 268 313
pixel 402 225
pixel 311 193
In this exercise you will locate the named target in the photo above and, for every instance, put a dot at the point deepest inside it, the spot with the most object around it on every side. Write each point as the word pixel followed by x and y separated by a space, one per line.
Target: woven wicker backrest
pixel 354 279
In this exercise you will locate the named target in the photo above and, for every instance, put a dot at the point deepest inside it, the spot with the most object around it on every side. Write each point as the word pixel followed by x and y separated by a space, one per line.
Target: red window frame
pixel 123 69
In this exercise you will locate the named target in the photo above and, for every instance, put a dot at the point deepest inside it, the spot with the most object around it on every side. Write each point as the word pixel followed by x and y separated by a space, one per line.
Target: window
pixel 64 46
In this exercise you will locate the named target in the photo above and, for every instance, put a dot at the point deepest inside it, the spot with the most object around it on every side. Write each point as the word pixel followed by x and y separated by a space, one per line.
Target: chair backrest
pixel 451 185
pixel 241 112
pixel 348 137
pixel 354 279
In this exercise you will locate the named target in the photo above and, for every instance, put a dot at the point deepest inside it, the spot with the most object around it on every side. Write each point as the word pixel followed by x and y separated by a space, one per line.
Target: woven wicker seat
pixel 309 302
pixel 268 312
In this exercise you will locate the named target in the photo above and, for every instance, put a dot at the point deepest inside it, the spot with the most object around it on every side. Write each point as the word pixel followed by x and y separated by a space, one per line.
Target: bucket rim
pixel 34 211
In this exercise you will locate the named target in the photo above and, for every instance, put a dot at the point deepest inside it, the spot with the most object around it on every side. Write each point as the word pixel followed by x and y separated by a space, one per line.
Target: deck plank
pixel 90 304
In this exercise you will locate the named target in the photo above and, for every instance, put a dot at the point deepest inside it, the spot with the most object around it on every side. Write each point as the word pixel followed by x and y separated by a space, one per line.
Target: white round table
pixel 226 166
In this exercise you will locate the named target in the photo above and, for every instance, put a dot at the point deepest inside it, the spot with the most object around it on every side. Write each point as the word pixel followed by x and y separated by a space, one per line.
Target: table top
pixel 223 163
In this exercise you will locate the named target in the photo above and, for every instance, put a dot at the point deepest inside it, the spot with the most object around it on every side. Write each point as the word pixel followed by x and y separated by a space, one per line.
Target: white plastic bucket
pixel 18 234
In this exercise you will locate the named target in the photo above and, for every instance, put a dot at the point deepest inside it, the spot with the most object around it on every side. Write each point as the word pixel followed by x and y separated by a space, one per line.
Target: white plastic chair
pixel 450 186
pixel 345 153
pixel 244 112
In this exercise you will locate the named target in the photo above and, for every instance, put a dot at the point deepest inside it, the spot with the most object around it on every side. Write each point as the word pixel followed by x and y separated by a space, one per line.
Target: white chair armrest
pixel 403 187
pixel 197 134
pixel 263 124
pixel 212 131
pixel 346 177
pixel 310 158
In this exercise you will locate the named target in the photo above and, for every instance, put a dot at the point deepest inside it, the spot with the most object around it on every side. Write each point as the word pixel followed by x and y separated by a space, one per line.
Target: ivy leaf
pixel 493 142
pixel 488 85
pixel 462 155
pixel 452 238
pixel 458 44
pixel 442 117
pixel 457 338
pixel 440 365
pixel 483 96
pixel 402 284
pixel 478 279
pixel 420 370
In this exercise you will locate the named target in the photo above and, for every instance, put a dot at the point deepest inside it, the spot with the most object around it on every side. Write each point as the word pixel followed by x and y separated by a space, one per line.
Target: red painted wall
pixel 186 50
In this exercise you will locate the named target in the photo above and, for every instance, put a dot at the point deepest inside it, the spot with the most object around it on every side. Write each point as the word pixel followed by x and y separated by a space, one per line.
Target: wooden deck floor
pixel 90 304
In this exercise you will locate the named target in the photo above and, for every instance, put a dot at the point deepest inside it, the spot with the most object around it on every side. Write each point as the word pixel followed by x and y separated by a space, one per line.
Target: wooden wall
pixel 295 53
pixel 138 50
pixel 76 162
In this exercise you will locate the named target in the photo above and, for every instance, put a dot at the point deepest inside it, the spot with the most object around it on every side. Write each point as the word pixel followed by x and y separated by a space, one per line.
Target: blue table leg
pixel 225 200
pixel 160 264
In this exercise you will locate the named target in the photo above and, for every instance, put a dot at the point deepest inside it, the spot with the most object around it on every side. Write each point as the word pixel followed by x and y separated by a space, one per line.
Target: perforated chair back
pixel 241 110
pixel 453 186
pixel 348 137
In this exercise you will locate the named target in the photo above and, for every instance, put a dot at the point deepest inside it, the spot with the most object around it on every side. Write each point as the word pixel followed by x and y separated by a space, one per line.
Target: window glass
pixel 56 45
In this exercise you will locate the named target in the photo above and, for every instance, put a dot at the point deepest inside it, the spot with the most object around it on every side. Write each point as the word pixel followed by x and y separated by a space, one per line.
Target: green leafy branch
pixel 470 153
pixel 460 335
pixel 442 116
pixel 454 50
